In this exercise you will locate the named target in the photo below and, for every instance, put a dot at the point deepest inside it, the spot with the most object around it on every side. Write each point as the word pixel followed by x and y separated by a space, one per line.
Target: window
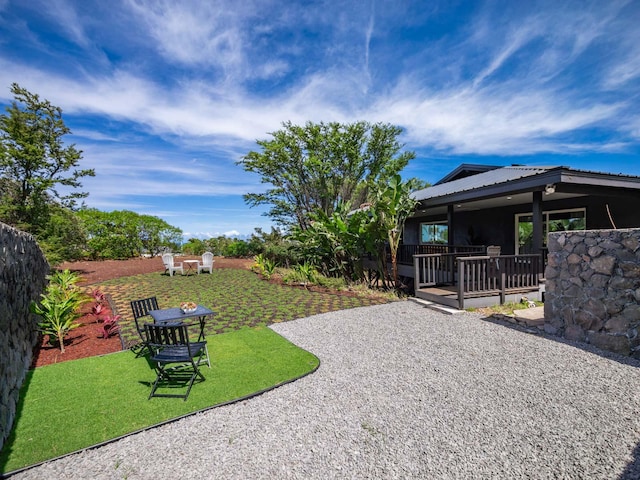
pixel 434 233
pixel 554 221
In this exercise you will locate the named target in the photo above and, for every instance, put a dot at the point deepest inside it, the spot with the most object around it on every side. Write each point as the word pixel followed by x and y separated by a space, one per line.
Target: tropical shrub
pixel 194 246
pixel 237 248
pixel 109 327
pixel 264 266
pixel 306 272
pixel 59 307
pixel 98 308
pixel 335 243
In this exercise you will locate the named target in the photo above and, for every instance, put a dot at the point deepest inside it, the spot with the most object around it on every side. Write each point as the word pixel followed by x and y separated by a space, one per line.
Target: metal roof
pixel 480 180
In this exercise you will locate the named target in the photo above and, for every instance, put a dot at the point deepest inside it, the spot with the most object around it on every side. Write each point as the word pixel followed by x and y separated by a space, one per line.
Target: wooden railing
pixel 477 276
pixel 490 275
pixel 433 269
pixel 406 252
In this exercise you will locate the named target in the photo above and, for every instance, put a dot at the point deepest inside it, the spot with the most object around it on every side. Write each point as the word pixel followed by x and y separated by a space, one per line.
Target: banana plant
pixel 392 206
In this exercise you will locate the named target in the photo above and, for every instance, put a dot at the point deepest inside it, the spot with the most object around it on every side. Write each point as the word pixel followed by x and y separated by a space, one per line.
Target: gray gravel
pixel 403 392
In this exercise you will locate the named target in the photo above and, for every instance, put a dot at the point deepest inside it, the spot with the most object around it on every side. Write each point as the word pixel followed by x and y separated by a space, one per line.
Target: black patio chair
pixel 141 308
pixel 176 357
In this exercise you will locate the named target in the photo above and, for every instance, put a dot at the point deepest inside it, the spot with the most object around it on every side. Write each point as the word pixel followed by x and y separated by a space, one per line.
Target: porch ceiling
pixel 495 202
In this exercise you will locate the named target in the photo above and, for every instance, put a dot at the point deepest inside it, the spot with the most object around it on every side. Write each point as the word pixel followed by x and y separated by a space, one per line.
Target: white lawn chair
pixel 207 262
pixel 170 266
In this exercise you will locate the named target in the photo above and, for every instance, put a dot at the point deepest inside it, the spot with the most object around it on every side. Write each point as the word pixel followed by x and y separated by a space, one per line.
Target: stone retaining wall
pixel 593 288
pixel 23 269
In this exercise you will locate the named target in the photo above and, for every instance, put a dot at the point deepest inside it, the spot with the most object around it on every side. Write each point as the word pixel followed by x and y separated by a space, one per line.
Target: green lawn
pixel 72 405
pixel 239 297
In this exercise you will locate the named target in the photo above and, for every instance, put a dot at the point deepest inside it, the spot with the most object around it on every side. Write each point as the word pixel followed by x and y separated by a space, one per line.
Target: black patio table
pixel 175 315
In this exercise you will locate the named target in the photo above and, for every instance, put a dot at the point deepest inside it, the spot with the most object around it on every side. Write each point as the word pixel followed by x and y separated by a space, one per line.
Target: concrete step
pixel 436 306
pixel 532 317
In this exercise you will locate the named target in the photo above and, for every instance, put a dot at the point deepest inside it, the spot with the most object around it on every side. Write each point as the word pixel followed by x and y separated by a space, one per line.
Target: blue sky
pixel 164 96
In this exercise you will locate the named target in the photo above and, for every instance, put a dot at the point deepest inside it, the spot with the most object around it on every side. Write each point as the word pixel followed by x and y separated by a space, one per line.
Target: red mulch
pixel 85 341
pixel 81 342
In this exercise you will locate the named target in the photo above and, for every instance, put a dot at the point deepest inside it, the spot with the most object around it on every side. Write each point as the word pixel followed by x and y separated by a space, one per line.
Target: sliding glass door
pixel 553 221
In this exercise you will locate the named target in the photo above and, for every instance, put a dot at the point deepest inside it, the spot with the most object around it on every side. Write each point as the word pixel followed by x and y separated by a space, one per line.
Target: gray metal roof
pixel 485 179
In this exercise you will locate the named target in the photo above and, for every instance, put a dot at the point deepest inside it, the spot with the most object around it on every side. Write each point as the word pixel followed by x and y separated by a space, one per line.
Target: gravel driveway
pixel 403 392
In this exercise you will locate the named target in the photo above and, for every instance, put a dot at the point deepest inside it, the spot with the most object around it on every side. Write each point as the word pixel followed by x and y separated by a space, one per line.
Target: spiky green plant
pixel 59 306
pixel 264 266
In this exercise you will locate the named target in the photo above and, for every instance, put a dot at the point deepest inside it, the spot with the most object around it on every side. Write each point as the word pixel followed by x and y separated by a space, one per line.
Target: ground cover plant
pixel 239 297
pixel 507 308
pixel 72 405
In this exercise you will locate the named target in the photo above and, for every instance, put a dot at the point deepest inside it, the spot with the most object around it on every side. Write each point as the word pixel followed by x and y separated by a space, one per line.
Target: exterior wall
pixel 593 288
pixel 496 226
pixel 622 215
pixel 23 269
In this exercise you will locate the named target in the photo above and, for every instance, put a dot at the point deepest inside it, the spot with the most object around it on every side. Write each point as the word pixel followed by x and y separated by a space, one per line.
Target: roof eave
pixel 521 185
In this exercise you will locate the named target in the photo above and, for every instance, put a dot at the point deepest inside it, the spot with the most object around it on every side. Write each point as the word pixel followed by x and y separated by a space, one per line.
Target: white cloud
pixel 194 33
pixel 482 112
pixel 66 16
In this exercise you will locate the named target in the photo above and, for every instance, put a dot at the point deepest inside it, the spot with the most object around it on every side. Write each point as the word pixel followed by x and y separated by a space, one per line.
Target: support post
pixel 460 284
pixel 450 226
pixel 537 223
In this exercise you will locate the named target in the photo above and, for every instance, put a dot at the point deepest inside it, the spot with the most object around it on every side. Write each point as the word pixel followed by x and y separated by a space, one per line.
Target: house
pixel 512 208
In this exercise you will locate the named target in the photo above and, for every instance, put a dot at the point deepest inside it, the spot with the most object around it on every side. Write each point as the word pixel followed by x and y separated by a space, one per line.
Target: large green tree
pixel 122 234
pixel 318 166
pixel 36 168
pixel 63 238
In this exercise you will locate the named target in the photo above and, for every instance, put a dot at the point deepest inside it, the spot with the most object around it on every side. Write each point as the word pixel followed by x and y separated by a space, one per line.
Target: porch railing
pixel 433 269
pixel 476 276
pixel 490 275
pixel 406 252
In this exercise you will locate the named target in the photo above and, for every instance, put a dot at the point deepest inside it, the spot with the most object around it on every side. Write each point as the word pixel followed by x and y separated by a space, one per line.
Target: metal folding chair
pixel 176 358
pixel 141 308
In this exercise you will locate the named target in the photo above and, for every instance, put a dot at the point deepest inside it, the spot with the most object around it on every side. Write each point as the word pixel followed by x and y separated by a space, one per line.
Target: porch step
pixel 436 306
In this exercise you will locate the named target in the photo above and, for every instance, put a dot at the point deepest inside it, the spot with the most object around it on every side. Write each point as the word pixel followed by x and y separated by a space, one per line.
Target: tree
pixel 392 206
pixel 156 235
pixel 335 243
pixel 320 166
pixel 63 237
pixel 34 163
pixel 122 234
pixel 194 246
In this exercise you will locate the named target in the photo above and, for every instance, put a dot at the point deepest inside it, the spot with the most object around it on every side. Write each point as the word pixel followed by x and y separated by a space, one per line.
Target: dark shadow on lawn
pixel 8 444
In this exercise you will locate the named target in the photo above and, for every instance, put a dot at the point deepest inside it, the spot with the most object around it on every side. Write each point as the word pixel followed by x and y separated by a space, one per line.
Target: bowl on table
pixel 188 307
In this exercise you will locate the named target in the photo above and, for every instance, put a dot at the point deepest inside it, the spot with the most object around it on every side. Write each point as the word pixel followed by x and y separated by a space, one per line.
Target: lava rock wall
pixel 593 288
pixel 23 271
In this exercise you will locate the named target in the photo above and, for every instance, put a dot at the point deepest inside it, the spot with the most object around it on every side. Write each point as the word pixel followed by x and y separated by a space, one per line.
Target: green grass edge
pixel 71 406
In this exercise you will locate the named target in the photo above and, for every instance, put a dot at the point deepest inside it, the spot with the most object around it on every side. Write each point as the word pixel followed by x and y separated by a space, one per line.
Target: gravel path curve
pixel 403 392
